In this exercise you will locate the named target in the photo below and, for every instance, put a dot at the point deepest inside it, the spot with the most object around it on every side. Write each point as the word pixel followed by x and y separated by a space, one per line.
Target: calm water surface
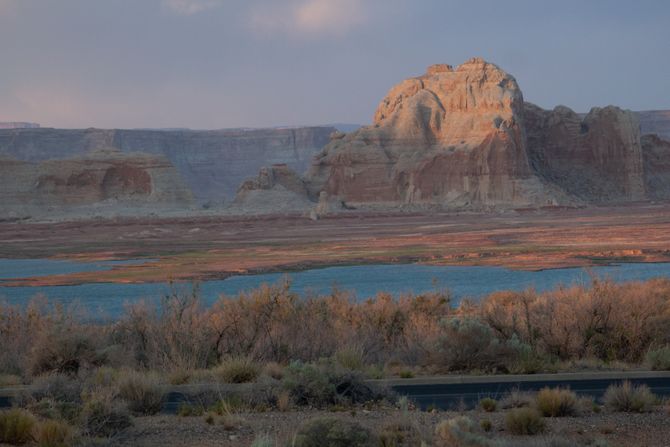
pixel 107 300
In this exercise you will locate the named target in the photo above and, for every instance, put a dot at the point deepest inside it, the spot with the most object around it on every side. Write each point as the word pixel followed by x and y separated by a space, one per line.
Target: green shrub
pixel 460 431
pixel 333 432
pixel 238 370
pixel 659 359
pixel 629 398
pixel 488 404
pixel 406 374
pixel 142 392
pixel 486 425
pixel 103 417
pixel 53 433
pixel 524 421
pixel 556 402
pixel 16 427
pixel 262 441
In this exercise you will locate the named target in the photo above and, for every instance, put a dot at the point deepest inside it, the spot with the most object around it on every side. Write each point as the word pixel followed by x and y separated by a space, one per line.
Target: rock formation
pixel 275 189
pixel 452 137
pixel 106 178
pixel 597 158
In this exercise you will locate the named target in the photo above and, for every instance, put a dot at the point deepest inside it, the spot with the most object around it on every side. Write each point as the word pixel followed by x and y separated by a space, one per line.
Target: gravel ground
pixel 624 430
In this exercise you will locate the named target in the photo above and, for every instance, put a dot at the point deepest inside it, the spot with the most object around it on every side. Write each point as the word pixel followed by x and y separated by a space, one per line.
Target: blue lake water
pixel 108 300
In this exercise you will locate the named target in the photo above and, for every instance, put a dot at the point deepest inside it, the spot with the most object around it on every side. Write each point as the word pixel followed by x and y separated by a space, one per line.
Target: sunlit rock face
pixel 452 137
pixel 597 158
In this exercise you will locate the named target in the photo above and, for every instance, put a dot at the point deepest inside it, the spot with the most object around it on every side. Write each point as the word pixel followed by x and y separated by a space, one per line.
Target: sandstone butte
pixel 463 137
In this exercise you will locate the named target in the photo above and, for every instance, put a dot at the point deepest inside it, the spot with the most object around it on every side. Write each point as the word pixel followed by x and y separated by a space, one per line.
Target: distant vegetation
pixel 604 325
pixel 89 380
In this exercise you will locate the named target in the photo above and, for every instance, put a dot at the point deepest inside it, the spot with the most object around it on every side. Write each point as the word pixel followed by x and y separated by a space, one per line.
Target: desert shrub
pixel 63 350
pixel 460 431
pixel 54 396
pixel 659 359
pixel 101 416
pixel 486 425
pixel 58 387
pixel 629 398
pixel 488 404
pixel 333 432
pixel 16 426
pixel 142 393
pixel 237 370
pixel 470 345
pixel 524 421
pixel 406 374
pixel 308 385
pixel 556 402
pixel 53 433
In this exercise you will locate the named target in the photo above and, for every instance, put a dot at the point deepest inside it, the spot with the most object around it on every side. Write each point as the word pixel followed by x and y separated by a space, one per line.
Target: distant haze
pixel 254 63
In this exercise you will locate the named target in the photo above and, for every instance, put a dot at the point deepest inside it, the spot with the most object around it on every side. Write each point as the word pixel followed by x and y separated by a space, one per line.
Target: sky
pixel 207 64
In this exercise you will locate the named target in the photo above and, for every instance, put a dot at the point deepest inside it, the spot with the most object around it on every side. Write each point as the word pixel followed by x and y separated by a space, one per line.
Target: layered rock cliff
pixel 655 122
pixel 656 156
pixel 211 163
pixel 452 137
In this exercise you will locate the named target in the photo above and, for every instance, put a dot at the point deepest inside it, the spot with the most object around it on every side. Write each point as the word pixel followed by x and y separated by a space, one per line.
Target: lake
pixel 107 300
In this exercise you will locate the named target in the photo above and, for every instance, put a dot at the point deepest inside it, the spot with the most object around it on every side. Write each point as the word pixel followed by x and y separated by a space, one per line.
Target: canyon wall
pixel 212 163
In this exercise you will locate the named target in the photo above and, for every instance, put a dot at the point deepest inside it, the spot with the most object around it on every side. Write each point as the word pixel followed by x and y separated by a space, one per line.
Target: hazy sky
pixel 228 63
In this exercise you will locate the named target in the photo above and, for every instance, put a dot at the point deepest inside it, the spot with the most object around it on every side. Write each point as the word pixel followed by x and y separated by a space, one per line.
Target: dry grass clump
pixel 142 392
pixel 237 370
pixel 488 404
pixel 557 402
pixel 629 398
pixel 460 431
pixel 16 427
pixel 524 421
pixel 54 433
pixel 273 370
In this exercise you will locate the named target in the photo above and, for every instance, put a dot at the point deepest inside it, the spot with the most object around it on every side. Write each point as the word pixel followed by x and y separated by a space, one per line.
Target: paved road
pixel 454 394
pixel 449 392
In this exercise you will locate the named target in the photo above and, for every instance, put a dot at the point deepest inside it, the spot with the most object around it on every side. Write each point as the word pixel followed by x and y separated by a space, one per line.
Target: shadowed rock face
pixel 211 163
pixel 597 158
pixel 113 178
pixel 656 156
pixel 453 136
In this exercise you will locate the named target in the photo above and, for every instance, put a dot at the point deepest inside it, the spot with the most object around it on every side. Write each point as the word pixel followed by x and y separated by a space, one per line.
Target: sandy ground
pixel 619 430
pixel 216 247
